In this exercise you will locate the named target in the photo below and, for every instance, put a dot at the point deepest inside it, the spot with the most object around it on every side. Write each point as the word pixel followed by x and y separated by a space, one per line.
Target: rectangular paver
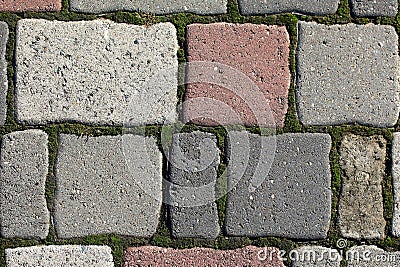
pixel 199 257
pixel 283 194
pixel 347 74
pixel 204 7
pixel 374 8
pixel 193 164
pixel 65 256
pixel 362 160
pixel 244 78
pixel 95 72
pixel 24 167
pixel 3 72
pixel 108 184
pixel 30 5
pixel 371 256
pixel 396 184
pixel 312 7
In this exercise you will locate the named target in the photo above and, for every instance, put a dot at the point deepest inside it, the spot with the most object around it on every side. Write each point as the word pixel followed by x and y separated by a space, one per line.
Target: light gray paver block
pixel 202 7
pixel 65 256
pixel 371 256
pixel 3 72
pixel 24 168
pixel 396 184
pixel 108 184
pixel 312 7
pixel 362 160
pixel 373 8
pixel 95 72
pixel 194 160
pixel 347 74
pixel 294 199
pixel 315 256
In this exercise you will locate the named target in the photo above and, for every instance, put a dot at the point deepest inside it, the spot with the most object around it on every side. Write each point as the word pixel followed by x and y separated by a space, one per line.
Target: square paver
pixel 347 74
pixel 203 7
pixel 374 8
pixel 24 166
pixel 371 256
pixel 282 194
pixel 315 256
pixel 30 5
pixel 243 77
pixel 362 160
pixel 95 72
pixel 311 7
pixel 108 184
pixel 193 165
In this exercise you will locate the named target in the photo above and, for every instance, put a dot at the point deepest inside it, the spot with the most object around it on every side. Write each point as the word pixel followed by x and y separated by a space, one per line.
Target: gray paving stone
pixel 3 72
pixel 194 160
pixel 91 71
pixel 374 8
pixel 371 256
pixel 24 167
pixel 396 184
pixel 315 256
pixel 294 196
pixel 108 184
pixel 312 7
pixel 66 256
pixel 202 7
pixel 347 74
pixel 362 160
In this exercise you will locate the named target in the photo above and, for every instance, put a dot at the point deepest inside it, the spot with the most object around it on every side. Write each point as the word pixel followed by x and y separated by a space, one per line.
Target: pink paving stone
pixel 261 52
pixel 30 5
pixel 156 256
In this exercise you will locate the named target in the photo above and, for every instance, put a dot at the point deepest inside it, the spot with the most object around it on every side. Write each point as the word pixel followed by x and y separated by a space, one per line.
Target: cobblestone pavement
pixel 199 133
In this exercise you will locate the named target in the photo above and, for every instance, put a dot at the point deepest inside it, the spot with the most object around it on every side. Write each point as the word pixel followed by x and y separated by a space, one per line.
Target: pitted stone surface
pixel 3 72
pixel 362 160
pixel 30 5
pixel 315 256
pixel 294 196
pixel 204 7
pixel 199 257
pixel 312 7
pixel 373 8
pixel 371 256
pixel 396 184
pixel 65 256
pixel 194 161
pixel 258 52
pixel 347 74
pixel 108 184
pixel 24 167
pixel 95 72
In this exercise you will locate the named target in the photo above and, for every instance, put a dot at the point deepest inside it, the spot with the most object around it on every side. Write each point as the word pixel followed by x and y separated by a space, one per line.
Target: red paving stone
pixel 156 256
pixel 261 52
pixel 30 5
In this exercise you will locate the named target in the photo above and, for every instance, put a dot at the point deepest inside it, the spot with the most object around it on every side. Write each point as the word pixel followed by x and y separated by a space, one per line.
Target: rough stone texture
pixel 315 256
pixel 294 196
pixel 312 7
pixel 66 256
pixel 371 256
pixel 95 72
pixel 30 5
pixel 199 257
pixel 108 184
pixel 24 167
pixel 362 160
pixel 260 54
pixel 193 163
pixel 373 8
pixel 396 184
pixel 347 74
pixel 3 72
pixel 151 6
